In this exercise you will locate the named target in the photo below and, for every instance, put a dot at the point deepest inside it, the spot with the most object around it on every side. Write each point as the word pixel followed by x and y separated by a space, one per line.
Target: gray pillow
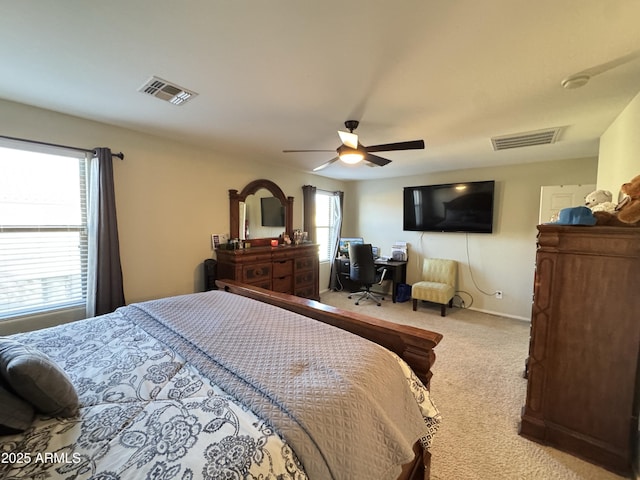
pixel 16 415
pixel 37 379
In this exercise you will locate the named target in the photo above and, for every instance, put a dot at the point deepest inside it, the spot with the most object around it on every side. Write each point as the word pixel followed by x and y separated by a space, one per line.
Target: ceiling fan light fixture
pixel 351 158
pixel 350 155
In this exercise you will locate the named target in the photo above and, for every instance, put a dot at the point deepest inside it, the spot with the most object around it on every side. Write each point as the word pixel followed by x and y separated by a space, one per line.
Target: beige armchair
pixel 438 284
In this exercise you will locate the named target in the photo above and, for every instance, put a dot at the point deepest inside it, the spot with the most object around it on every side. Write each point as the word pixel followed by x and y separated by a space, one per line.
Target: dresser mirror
pixel 254 214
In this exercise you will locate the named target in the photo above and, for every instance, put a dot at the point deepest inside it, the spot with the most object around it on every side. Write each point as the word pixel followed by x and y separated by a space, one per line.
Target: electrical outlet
pixel 499 294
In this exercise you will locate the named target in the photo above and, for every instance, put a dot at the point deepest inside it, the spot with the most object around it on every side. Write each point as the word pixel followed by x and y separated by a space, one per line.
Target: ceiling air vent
pixel 167 91
pixel 526 139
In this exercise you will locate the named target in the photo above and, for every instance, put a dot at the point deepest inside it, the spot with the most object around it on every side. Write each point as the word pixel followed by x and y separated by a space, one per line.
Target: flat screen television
pixel 272 212
pixel 343 246
pixel 452 207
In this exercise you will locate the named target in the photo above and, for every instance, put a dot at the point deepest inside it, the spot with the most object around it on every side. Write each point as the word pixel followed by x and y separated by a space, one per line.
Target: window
pixel 327 223
pixel 43 229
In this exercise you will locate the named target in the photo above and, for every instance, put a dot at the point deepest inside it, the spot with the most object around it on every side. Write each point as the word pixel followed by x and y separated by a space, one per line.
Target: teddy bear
pixel 629 208
pixel 627 212
pixel 600 201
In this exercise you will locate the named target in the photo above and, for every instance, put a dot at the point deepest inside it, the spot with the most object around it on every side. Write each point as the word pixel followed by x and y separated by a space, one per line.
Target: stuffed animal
pixel 627 213
pixel 600 201
pixel 629 208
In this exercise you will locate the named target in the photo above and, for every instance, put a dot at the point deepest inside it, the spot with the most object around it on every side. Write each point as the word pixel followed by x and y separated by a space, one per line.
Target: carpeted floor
pixel 478 386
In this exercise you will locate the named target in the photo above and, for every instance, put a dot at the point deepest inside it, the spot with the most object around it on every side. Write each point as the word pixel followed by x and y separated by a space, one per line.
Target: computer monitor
pixel 343 246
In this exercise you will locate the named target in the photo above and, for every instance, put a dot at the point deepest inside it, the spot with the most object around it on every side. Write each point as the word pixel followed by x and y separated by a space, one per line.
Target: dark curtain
pixel 309 222
pixel 106 291
pixel 309 211
pixel 333 283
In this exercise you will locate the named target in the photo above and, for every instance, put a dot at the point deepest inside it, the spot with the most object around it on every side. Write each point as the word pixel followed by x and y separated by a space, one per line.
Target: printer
pixel 399 252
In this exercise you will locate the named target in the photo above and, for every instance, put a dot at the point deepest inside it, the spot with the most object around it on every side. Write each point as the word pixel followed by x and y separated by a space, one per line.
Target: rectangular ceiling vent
pixel 526 139
pixel 167 91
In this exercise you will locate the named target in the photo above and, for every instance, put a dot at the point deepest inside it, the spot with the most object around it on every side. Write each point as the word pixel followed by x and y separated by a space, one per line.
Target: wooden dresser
pixel 290 269
pixel 583 386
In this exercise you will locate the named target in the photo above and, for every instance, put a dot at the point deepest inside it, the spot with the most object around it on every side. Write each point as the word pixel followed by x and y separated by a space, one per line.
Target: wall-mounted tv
pixel 452 207
pixel 271 212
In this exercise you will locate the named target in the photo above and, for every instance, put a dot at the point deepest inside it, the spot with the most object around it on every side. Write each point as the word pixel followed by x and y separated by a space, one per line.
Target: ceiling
pixel 286 74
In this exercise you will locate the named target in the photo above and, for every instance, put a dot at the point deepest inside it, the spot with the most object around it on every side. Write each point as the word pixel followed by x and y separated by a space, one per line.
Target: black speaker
pixel 210 274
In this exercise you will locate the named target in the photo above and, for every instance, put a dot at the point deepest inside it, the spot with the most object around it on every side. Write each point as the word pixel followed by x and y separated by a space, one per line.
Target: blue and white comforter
pixel 154 411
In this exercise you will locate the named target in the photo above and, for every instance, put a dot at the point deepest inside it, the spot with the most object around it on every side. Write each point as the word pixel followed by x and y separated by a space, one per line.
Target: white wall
pixel 619 156
pixel 503 260
pixel 170 197
pixel 619 162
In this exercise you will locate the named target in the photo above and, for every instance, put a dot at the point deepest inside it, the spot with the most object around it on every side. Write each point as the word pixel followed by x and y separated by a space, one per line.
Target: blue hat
pixel 576 216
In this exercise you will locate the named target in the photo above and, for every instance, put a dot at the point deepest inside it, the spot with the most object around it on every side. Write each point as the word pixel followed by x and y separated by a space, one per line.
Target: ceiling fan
pixel 351 151
pixel 582 78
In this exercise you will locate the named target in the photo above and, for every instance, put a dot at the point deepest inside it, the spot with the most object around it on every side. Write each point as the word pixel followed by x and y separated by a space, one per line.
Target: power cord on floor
pixel 339 287
pixel 462 303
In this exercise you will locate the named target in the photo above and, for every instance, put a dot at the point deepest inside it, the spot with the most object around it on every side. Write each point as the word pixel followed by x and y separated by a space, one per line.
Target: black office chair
pixel 363 270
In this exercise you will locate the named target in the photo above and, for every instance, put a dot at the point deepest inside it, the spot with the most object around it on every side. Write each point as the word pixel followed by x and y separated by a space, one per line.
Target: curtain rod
pixel 334 192
pixel 120 155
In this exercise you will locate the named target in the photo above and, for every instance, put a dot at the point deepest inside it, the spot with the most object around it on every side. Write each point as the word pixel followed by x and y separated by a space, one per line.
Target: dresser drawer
pixel 257 272
pixel 282 284
pixel 305 263
pixel 305 278
pixel 306 291
pixel 265 283
pixel 282 268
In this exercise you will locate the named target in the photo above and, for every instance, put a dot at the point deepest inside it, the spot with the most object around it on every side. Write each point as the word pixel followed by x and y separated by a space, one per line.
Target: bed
pixel 238 382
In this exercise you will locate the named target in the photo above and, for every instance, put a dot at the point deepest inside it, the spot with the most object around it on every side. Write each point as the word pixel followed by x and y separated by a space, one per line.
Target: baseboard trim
pixel 501 314
pixel 481 310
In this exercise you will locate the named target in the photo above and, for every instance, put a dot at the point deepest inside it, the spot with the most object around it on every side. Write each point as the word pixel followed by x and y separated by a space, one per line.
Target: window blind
pixel 327 216
pixel 43 230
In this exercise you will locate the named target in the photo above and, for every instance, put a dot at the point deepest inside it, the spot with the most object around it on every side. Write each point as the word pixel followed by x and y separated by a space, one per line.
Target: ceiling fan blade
pixel 581 78
pixel 376 161
pixel 298 151
pixel 326 164
pixel 388 147
pixel 603 67
pixel 349 139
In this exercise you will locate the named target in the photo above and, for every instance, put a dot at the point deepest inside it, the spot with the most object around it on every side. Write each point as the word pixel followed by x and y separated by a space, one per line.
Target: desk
pixel 396 272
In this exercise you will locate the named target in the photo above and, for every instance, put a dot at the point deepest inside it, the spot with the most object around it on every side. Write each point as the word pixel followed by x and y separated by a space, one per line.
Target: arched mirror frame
pixel 234 208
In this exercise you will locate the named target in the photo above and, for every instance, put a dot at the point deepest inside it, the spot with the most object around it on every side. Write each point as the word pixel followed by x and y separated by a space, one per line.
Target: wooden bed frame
pixel 414 345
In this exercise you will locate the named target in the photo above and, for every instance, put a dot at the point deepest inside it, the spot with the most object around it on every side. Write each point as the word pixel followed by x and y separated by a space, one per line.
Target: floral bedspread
pixel 148 413
pixel 145 414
